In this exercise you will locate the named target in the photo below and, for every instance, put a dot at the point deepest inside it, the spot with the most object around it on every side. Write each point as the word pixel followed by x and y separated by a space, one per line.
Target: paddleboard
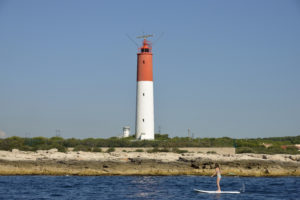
pixel 215 192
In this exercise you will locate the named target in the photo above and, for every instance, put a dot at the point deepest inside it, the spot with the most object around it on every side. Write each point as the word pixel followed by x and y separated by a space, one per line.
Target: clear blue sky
pixel 222 68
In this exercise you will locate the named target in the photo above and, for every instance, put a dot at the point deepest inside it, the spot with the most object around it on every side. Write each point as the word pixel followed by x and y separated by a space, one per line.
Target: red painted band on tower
pixel 144 67
pixel 144 63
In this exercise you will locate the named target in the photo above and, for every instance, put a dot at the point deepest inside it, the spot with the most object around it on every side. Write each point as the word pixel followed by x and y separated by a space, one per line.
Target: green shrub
pixel 139 150
pixel 156 150
pixel 26 148
pixel 244 150
pixel 61 149
pixel 110 149
pixel 164 150
pixel 211 152
pixel 97 149
pixel 179 151
pixel 82 148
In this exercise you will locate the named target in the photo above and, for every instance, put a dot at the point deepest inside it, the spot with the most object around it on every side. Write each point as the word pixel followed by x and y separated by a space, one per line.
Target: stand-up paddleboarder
pixel 218 173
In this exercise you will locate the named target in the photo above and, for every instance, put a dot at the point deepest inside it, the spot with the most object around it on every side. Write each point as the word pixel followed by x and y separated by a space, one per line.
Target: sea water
pixel 145 187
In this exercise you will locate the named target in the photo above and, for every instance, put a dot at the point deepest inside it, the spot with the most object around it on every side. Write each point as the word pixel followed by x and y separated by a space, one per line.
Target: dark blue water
pixel 145 187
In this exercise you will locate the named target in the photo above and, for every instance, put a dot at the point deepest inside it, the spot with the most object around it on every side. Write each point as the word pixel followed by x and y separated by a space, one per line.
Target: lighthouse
pixel 144 124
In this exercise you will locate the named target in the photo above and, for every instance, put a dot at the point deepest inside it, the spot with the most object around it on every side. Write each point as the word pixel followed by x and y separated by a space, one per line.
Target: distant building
pixel 126 131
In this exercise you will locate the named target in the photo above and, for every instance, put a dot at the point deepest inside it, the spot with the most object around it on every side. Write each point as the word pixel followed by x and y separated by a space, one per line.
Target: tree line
pixel 254 145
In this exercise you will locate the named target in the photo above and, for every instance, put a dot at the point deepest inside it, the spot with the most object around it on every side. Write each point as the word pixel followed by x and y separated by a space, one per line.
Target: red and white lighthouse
pixel 144 125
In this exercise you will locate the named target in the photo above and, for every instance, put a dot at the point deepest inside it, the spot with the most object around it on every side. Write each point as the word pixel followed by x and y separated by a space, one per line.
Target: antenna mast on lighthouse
pixel 144 125
pixel 144 36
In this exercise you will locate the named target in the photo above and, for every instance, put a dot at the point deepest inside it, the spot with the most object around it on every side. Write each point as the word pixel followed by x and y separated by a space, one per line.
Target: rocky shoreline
pixel 142 163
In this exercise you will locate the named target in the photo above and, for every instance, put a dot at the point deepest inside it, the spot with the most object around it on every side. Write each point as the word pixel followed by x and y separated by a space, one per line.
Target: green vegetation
pixel 273 145
pixel 165 149
pixel 174 150
pixel 156 150
pixel 82 148
pixel 162 143
pixel 244 150
pixel 180 151
pixel 97 149
pixel 110 149
pixel 211 152
pixel 270 150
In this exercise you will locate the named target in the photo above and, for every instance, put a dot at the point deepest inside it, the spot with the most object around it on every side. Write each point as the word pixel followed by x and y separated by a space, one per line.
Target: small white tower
pixel 126 131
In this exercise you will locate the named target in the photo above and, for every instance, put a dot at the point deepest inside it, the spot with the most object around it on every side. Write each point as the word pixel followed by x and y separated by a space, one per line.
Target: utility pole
pixel 57 132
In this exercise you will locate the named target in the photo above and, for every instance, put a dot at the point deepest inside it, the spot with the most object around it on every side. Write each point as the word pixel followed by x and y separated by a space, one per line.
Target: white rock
pixel 15 151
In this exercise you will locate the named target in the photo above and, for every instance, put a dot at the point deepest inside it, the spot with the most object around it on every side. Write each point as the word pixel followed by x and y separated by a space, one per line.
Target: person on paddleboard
pixel 218 173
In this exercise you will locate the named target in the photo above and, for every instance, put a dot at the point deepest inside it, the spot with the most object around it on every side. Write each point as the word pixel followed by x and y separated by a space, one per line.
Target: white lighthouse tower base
pixel 144 111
